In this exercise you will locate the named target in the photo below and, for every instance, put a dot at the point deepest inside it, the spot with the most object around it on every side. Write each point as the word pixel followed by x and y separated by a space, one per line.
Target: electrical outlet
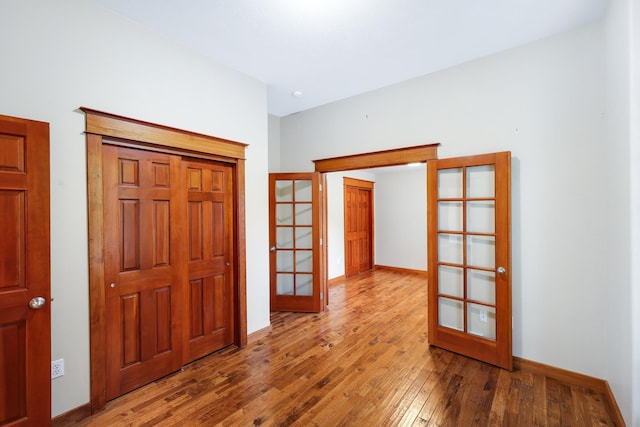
pixel 483 316
pixel 57 368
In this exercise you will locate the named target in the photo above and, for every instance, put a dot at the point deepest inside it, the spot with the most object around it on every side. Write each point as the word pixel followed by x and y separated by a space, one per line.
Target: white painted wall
pixel 544 102
pixel 634 161
pixel 58 55
pixel 274 143
pixel 401 219
pixel 622 341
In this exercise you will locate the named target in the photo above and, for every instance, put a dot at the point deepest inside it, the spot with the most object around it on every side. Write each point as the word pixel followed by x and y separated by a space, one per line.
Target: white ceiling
pixel 333 49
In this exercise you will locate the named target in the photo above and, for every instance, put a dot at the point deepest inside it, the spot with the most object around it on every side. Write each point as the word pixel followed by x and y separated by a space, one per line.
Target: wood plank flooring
pixel 365 362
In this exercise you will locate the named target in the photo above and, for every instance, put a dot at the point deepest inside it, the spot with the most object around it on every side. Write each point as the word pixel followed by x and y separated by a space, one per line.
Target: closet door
pixel 208 242
pixel 142 266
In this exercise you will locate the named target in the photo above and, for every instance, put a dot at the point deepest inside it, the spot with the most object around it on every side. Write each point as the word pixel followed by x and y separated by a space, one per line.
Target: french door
pixel 469 228
pixel 296 228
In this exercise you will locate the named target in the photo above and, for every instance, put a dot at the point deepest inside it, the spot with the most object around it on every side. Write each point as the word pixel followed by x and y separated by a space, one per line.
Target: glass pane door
pixel 294 229
pixel 469 256
pixel 466 250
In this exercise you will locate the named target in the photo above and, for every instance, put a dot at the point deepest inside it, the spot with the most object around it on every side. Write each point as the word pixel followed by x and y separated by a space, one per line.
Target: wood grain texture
pixel 25 333
pixel 364 362
pixel 398 156
pixel 103 128
pixel 111 125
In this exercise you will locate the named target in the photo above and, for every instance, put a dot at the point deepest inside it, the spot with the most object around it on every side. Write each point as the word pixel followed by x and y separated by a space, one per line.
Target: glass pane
pixel 450 313
pixel 304 262
pixel 450 281
pixel 284 191
pixel 481 251
pixel 450 216
pixel 481 321
pixel 481 181
pixel 304 285
pixel 481 286
pixel 284 261
pixel 481 216
pixel 284 284
pixel 450 248
pixel 284 214
pixel 304 237
pixel 284 237
pixel 450 183
pixel 303 214
pixel 303 191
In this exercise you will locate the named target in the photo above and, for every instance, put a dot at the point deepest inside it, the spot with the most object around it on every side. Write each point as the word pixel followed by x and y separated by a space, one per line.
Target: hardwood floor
pixel 365 362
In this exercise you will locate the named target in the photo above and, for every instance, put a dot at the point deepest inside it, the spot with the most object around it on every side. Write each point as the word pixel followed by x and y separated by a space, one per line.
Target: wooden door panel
pixel 469 214
pixel 296 235
pixel 13 374
pixel 358 226
pixel 12 215
pixel 209 295
pixel 25 333
pixel 142 277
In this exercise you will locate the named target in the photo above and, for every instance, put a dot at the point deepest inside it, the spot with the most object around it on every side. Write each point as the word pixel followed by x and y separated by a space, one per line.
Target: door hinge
pixel 320 187
pixel 321 295
pixel 321 241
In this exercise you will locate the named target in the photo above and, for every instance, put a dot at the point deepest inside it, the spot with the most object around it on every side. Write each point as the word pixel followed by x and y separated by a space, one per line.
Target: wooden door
pixel 469 228
pixel 358 226
pixel 296 236
pixel 25 314
pixel 142 266
pixel 208 239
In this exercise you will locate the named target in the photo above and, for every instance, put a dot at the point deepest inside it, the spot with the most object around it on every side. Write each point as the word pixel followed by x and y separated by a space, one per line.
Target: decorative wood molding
pixel 73 416
pixel 105 124
pixel 559 374
pixel 614 410
pixel 360 183
pixel 574 378
pixel 395 157
pixel 401 270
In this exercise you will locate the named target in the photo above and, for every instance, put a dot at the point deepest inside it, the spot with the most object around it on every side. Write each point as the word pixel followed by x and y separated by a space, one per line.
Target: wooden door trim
pixel 102 127
pixel 360 183
pixel 106 124
pixel 375 159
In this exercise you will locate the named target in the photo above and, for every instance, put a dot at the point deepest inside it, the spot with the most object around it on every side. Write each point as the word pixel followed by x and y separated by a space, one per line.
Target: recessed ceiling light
pixel 296 94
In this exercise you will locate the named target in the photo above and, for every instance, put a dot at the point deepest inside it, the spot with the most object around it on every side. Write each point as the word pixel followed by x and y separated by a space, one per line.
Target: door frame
pixel 101 127
pixel 373 159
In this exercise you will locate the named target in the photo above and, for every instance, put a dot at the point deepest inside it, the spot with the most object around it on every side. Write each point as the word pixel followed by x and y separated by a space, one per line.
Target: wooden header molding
pixel 375 159
pixel 106 124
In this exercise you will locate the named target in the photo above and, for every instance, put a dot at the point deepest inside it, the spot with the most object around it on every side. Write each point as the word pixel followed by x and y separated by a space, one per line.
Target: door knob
pixel 272 249
pixel 37 303
pixel 501 270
